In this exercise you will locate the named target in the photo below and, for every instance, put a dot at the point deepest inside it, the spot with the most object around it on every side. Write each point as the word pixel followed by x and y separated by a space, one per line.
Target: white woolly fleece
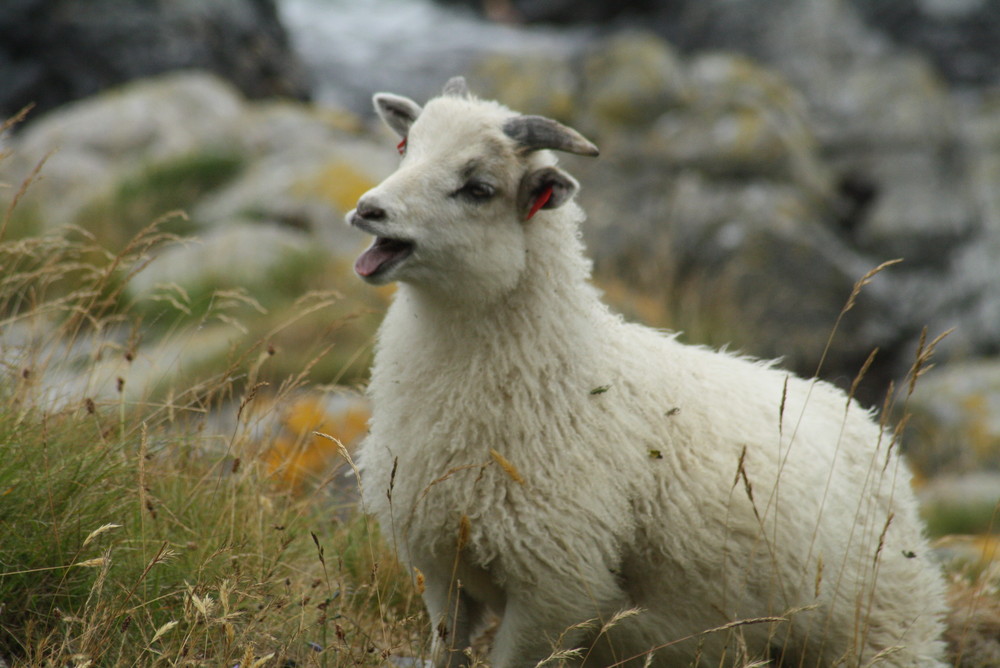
pixel 534 455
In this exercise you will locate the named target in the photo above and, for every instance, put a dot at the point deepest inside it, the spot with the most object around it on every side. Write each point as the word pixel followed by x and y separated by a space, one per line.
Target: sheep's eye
pixel 477 191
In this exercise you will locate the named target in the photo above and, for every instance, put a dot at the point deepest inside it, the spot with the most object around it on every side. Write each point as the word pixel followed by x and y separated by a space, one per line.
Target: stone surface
pixel 90 145
pixel 922 212
pixel 630 79
pixel 545 83
pixel 962 37
pixel 239 254
pixel 956 417
pixel 739 120
pixel 55 51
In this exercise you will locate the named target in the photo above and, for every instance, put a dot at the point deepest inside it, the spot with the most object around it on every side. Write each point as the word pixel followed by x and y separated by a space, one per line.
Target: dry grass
pixel 133 533
pixel 159 529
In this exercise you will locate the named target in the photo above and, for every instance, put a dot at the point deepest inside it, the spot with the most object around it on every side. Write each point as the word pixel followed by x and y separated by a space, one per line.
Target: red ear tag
pixel 401 146
pixel 540 202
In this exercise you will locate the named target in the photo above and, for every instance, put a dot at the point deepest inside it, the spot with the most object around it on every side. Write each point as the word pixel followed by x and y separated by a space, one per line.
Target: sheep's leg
pixel 539 621
pixel 454 615
pixel 523 640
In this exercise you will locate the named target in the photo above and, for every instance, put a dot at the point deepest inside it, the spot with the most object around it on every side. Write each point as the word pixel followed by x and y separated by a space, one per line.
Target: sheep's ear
pixel 534 133
pixel 397 111
pixel 546 188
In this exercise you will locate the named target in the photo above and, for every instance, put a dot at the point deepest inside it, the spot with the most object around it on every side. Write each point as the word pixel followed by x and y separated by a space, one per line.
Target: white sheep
pixel 534 456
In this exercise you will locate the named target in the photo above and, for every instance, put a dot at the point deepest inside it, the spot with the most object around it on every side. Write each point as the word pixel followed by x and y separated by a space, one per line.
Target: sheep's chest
pixel 495 443
pixel 490 482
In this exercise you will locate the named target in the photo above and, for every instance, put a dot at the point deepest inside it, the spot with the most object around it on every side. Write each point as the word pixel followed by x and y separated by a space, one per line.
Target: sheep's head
pixel 473 176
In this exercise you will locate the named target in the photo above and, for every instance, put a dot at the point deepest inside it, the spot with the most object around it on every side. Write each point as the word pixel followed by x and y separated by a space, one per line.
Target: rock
pixel 962 296
pixel 744 264
pixel 891 102
pixel 773 282
pixel 630 80
pixel 961 37
pixel 56 51
pixel 282 162
pixel 741 120
pixel 545 83
pixel 970 301
pixel 239 254
pixel 955 423
pixel 95 365
pixel 264 245
pixel 305 171
pixel 95 143
pixel 921 212
pixel 555 11
pixel 979 138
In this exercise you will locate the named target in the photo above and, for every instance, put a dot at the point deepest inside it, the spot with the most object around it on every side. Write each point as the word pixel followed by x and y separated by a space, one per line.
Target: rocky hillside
pixel 740 197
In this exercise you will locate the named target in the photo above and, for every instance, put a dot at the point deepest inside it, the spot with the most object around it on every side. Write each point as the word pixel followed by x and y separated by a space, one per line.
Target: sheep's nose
pixel 369 211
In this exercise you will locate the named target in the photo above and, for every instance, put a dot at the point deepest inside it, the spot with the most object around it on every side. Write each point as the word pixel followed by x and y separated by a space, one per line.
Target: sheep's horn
pixel 456 87
pixel 534 133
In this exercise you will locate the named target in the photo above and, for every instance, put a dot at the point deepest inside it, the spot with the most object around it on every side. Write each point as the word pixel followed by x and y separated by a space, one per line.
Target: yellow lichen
pixel 297 454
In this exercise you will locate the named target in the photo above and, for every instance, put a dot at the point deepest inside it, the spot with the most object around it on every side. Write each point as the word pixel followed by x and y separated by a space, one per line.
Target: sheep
pixel 614 496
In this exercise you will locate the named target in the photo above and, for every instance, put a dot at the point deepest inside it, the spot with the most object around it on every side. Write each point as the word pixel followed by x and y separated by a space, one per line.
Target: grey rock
pixel 922 212
pixel 739 120
pixel 56 51
pixel 546 83
pixel 894 101
pixel 240 254
pixel 962 37
pixel 747 265
pixel 93 144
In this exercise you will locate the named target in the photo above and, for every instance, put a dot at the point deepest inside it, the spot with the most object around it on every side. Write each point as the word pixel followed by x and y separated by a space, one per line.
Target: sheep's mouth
pixel 382 255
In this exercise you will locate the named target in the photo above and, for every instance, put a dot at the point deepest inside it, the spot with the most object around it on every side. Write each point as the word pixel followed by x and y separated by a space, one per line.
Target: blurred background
pixel 759 157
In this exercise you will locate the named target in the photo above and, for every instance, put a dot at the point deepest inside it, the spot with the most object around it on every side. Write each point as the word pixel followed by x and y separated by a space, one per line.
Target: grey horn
pixel 456 87
pixel 534 133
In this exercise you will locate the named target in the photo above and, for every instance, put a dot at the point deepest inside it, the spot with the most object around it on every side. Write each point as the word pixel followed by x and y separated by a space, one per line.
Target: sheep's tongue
pixel 380 252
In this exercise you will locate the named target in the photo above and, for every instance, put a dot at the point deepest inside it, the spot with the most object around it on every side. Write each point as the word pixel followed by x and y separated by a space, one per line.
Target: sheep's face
pixel 454 216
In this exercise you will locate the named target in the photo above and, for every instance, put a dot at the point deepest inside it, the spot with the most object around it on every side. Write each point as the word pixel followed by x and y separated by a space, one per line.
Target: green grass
pixel 132 535
pixel 108 540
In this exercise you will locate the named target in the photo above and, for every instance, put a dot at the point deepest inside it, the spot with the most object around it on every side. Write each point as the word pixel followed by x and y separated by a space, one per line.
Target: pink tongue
pixel 378 254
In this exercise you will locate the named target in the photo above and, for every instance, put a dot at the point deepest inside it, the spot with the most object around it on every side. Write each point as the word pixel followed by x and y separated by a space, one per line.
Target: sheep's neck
pixel 553 306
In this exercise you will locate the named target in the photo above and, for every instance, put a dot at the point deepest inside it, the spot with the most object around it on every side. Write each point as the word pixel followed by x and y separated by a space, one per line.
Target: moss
pixel 945 519
pixel 160 188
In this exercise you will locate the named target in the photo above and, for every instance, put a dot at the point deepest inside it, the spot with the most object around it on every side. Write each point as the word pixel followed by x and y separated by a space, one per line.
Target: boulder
pixel 740 120
pixel 921 212
pixel 238 254
pixel 955 422
pixel 191 141
pixel 545 83
pixel 630 80
pixel 888 102
pixel 961 37
pixel 56 51
pixel 90 146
